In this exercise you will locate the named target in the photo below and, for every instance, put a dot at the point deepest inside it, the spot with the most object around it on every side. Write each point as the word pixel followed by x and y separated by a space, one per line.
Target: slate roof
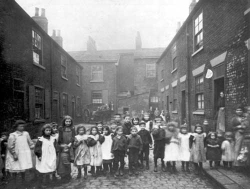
pixel 113 55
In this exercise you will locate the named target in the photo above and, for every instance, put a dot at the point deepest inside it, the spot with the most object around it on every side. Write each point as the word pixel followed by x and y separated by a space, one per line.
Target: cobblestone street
pixel 146 179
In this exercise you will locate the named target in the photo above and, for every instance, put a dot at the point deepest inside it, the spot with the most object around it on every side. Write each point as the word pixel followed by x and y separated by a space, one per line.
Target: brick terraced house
pixel 209 54
pixel 40 81
pixel 126 80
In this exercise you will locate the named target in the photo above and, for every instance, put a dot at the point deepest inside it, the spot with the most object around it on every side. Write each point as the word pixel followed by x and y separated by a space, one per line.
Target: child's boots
pixel 147 165
pixel 187 167
pixel 79 173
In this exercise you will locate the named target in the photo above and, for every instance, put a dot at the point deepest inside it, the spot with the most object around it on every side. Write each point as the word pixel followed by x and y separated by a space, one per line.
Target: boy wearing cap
pixel 146 142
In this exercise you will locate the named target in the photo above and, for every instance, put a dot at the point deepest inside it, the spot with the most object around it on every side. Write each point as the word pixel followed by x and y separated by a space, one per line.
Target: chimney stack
pixel 192 5
pixel 138 42
pixel 42 21
pixel 43 12
pixel 54 33
pixel 91 45
pixel 36 11
pixel 178 26
pixel 57 38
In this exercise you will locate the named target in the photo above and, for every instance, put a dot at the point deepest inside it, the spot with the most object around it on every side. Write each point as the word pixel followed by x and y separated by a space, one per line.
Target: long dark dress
pixel 66 136
pixel 213 153
pixel 159 142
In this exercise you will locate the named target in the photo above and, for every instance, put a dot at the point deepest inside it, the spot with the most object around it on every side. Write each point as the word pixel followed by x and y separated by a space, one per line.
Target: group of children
pixel 105 147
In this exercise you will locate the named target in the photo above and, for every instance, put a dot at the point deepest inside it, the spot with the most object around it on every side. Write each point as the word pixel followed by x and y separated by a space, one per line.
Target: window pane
pixel 150 70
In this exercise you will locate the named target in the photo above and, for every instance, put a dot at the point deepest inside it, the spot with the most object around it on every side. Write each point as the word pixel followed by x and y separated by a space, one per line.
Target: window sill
pixel 174 70
pixel 96 81
pixel 199 112
pixel 40 66
pixel 174 112
pixel 78 85
pixel 196 52
pixel 65 78
pixel 39 120
pixel 161 80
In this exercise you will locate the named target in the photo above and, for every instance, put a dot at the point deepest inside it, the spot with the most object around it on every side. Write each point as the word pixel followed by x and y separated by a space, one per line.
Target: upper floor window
pixel 97 97
pixel 162 74
pixel 150 70
pixel 154 99
pixel 37 48
pixel 78 75
pixel 199 92
pixel 174 64
pixel 63 66
pixel 198 32
pixel 97 73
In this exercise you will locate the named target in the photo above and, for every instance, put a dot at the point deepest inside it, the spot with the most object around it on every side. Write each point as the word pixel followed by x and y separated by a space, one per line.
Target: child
pixel 95 151
pixel 107 156
pixel 184 147
pixel 127 125
pixel 134 149
pixel 113 127
pixel 66 138
pixel 3 141
pixel 135 123
pixel 221 138
pixel 172 146
pixel 18 158
pixel 213 149
pixel 149 123
pixel 45 151
pixel 228 155
pixel 159 144
pixel 117 119
pixel 146 142
pixel 55 130
pixel 82 154
pixel 118 149
pixel 198 155
pixel 99 126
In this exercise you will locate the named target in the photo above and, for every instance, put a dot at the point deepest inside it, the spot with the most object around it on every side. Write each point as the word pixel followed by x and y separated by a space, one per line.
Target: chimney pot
pixel 43 12
pixel 36 11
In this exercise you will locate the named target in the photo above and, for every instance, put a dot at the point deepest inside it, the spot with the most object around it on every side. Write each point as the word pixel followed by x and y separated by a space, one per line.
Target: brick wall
pixel 224 30
pixel 17 63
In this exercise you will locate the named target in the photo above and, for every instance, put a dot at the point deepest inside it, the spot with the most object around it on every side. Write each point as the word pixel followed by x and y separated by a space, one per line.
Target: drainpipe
pixel 188 78
pixel 51 77
pixel 247 18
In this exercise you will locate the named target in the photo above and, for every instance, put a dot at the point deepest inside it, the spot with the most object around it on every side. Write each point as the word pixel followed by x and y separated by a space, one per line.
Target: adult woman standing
pixel 220 125
pixel 238 125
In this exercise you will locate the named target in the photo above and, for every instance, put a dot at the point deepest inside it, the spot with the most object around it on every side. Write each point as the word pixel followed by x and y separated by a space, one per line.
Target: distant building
pixel 114 76
pixel 208 55
pixel 40 82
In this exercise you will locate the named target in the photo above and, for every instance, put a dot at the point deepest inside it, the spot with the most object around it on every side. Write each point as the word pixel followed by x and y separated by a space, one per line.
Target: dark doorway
pixel 55 110
pixel 167 103
pixel 183 107
pixel 218 87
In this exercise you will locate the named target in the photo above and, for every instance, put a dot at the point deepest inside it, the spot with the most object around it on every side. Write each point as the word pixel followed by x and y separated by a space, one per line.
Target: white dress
pixel 138 127
pixel 172 150
pixel 19 143
pixel 228 153
pixel 48 161
pixel 184 147
pixel 106 148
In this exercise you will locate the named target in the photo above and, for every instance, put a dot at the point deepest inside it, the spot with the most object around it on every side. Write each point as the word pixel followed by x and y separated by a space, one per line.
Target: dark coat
pixel 126 128
pixel 145 136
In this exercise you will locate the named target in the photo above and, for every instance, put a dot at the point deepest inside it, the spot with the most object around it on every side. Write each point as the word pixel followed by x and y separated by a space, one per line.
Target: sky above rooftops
pixel 113 24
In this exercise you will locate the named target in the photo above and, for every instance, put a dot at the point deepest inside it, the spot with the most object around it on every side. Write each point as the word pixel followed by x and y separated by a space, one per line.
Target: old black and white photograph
pixel 125 94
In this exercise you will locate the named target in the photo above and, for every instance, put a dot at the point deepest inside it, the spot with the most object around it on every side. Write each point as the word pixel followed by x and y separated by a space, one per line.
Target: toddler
pixel 213 149
pixel 228 154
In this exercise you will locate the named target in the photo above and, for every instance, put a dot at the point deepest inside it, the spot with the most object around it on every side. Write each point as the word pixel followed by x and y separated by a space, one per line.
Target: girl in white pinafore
pixel 184 147
pixel 172 146
pixel 18 158
pixel 107 157
pixel 45 151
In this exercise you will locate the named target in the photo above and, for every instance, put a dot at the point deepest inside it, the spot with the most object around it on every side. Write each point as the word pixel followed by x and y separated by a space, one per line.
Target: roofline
pixel 97 61
pixel 45 33
pixel 183 27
